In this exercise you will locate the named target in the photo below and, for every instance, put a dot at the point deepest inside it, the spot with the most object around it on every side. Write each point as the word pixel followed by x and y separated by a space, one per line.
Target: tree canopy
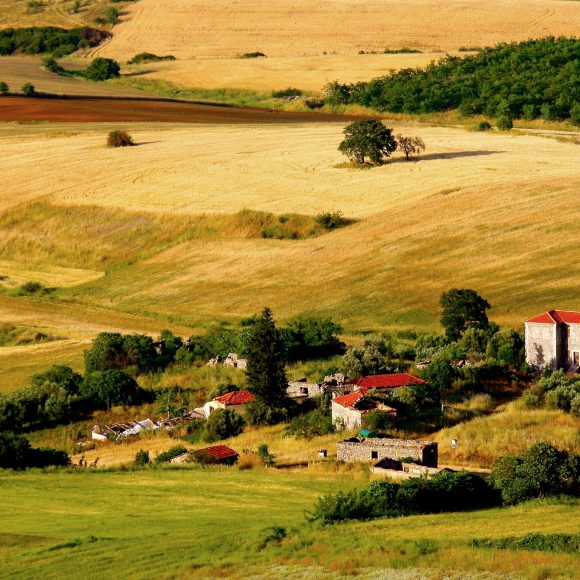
pixel 367 138
pixel 462 309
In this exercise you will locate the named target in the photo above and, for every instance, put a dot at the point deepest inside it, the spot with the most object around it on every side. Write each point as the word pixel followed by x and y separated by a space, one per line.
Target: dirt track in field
pixel 87 110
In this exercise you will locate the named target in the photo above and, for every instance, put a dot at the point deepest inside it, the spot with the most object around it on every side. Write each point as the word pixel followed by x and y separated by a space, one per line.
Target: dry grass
pixel 298 28
pixel 15 13
pixel 308 73
pixel 511 431
pixel 464 215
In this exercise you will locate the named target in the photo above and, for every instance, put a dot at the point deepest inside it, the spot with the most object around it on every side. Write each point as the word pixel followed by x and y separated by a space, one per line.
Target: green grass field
pixel 179 523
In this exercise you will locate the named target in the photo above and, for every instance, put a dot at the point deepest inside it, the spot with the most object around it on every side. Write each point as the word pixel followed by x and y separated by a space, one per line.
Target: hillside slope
pixel 187 28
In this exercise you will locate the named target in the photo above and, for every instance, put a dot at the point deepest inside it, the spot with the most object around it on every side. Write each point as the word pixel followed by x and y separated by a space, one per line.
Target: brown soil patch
pixel 87 110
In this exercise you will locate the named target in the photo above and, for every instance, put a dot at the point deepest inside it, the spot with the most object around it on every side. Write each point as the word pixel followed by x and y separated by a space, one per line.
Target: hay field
pixel 226 28
pixel 488 211
pixel 17 13
pixel 208 523
pixel 308 73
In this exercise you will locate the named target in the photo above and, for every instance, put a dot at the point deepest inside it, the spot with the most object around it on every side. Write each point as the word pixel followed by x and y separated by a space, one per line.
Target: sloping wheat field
pixel 226 28
pixel 130 228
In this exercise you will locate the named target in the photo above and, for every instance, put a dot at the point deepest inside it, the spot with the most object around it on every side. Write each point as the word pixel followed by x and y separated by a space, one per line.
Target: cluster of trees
pixel 541 471
pixel 555 390
pixel 17 453
pixel 100 69
pixel 531 79
pixel 57 41
pixel 373 140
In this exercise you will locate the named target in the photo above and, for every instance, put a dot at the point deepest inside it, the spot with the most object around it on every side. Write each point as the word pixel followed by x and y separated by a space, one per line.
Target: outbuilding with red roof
pixel 553 340
pixel 348 411
pixel 385 383
pixel 234 400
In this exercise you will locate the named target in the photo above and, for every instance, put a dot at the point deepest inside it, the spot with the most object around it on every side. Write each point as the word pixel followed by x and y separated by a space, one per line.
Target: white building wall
pixel 542 344
pixel 345 418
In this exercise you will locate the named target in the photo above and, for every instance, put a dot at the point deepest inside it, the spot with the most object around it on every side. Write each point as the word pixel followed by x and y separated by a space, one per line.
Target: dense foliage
pixel 445 492
pixel 535 78
pixel 57 41
pixel 102 69
pixel 16 453
pixel 222 424
pixel 540 471
pixel 119 138
pixel 367 139
pixel 462 309
pixel 537 542
pixel 149 57
pixel 266 370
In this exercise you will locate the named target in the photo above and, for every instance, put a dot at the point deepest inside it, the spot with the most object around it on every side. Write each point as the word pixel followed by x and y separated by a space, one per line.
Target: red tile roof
pixel 386 381
pixel 557 317
pixel 236 398
pixel 348 400
pixel 219 451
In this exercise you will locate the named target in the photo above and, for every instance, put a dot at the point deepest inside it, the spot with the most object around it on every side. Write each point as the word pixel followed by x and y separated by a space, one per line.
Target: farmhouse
pixel 301 389
pixel 384 384
pixel 378 450
pixel 234 400
pixel 553 340
pixel 348 411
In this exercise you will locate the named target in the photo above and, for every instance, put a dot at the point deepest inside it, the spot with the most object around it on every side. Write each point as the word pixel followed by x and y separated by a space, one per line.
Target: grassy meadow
pixel 212 522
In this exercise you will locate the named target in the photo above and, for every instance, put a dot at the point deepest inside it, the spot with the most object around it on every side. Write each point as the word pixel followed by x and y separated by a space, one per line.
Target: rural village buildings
pixel 348 410
pixel 234 401
pixel 553 340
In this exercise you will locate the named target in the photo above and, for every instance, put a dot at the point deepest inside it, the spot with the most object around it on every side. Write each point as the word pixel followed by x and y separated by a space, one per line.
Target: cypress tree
pixel 266 364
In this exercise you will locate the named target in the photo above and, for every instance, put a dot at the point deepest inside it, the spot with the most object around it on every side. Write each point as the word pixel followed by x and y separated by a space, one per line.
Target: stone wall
pixel 542 344
pixel 346 418
pixel 374 449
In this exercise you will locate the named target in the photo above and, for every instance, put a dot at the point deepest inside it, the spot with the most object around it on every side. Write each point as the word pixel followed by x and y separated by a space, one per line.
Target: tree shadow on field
pixel 146 143
pixel 138 73
pixel 451 155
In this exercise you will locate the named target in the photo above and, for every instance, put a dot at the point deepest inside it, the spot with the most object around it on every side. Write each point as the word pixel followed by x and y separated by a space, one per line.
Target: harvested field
pixel 18 13
pixel 308 73
pixel 95 110
pixel 462 216
pixel 297 28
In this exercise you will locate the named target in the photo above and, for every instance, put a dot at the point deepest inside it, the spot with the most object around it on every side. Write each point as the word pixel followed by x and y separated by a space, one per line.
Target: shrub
pixel 256 54
pixel 167 456
pixel 483 126
pixel 222 424
pixel 33 288
pixel 311 424
pixel 149 57
pixel 142 458
pixel 537 542
pixel 575 114
pixel 102 69
pixel 4 88
pixel 504 123
pixel 119 138
pixel 285 93
pixel 540 471
pixel 332 220
pixel 16 453
pixel 28 90
pixel 111 15
pixel 266 457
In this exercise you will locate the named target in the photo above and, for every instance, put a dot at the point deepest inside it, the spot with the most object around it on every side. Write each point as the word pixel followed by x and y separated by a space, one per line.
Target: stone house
pixel 301 389
pixel 348 411
pixel 377 450
pixel 234 401
pixel 553 340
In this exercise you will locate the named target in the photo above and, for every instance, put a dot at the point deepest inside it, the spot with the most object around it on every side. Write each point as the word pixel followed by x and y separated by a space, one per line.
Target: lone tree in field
pixel 119 139
pixel 266 372
pixel 462 309
pixel 370 139
pixel 4 88
pixel 410 145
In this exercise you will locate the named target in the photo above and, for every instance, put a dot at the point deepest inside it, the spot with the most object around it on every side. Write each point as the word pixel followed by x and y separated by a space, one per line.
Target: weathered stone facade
pixel 553 340
pixel 302 389
pixel 374 449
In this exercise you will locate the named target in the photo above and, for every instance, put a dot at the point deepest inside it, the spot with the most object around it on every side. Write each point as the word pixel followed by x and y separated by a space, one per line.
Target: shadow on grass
pixel 451 155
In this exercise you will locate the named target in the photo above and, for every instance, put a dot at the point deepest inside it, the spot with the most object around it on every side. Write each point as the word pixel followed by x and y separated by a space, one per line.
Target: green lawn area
pixel 209 522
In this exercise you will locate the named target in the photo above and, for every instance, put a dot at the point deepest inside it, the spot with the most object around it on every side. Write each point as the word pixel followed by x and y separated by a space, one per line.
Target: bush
pixel 540 471
pixel 256 54
pixel 167 456
pixel 483 126
pixel 16 453
pixel 119 139
pixel 102 69
pixel 48 39
pixel 28 90
pixel 312 424
pixel 537 542
pixel 504 123
pixel 575 114
pixel 149 57
pixel 286 93
pixel 266 457
pixel 222 424
pixel 332 220
pixel 142 458
pixel 4 88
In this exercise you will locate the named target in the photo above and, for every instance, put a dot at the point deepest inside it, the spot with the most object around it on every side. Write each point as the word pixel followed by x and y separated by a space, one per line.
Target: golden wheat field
pixel 463 215
pixel 227 28
pixel 308 73
pixel 22 13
